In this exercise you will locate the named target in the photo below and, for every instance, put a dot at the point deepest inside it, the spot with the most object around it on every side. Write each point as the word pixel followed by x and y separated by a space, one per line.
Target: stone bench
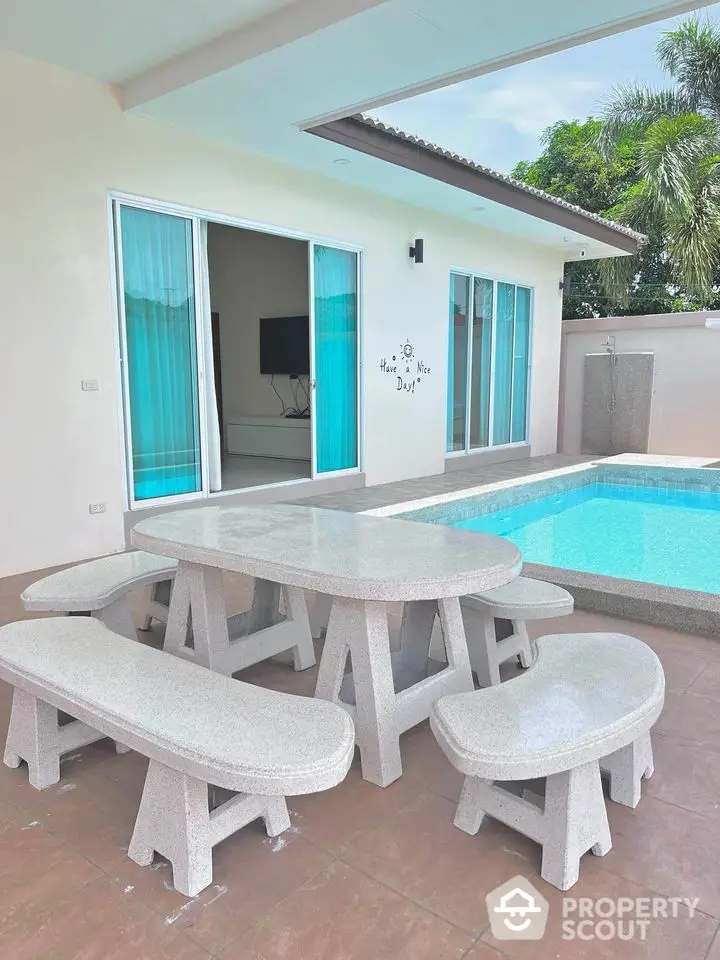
pixel 589 698
pixel 520 600
pixel 197 728
pixel 101 587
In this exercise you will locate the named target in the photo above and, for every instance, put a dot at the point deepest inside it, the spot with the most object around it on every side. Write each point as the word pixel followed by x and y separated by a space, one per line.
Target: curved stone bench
pixel 197 727
pixel 589 697
pixel 518 601
pixel 101 587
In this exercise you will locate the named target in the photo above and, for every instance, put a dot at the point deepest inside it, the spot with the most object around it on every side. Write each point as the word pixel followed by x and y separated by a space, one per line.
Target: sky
pixel 498 119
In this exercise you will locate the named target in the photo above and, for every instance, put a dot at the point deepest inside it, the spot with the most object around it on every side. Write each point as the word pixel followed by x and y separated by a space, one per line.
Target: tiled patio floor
pixel 365 873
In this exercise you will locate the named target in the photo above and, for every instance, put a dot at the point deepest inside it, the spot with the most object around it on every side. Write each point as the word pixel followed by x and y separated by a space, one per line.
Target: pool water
pixel 657 535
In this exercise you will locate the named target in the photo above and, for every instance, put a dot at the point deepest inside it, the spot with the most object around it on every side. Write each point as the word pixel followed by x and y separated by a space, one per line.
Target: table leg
pixel 198 591
pixel 178 622
pixel 209 617
pixel 361 627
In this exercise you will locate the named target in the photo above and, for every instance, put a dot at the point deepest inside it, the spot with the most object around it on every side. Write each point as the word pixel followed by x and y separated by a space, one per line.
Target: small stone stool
pixel 589 701
pixel 520 600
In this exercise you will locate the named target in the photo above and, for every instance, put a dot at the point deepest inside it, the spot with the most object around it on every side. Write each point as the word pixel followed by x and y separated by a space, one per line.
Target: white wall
pixel 253 275
pixel 66 143
pixel 685 412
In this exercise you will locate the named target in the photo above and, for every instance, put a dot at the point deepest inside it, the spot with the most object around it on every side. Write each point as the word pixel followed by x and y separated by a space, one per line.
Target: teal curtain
pixel 458 360
pixel 336 354
pixel 161 352
pixel 481 363
pixel 503 362
pixel 521 364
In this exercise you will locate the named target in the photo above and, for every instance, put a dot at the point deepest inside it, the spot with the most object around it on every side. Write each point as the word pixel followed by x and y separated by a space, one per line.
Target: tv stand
pixel 286 438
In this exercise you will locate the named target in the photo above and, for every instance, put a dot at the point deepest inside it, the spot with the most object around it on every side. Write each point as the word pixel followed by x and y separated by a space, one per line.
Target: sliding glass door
pixel 334 358
pixel 172 429
pixel 489 362
pixel 157 295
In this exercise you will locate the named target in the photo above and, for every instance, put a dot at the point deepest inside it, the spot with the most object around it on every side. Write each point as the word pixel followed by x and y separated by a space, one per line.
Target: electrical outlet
pixel 90 385
pixel 97 508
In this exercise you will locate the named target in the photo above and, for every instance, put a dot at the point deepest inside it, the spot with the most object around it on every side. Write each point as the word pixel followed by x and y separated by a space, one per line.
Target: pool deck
pixel 455 481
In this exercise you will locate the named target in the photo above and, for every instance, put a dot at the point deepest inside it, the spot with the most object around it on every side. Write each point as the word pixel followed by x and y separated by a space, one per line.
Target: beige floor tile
pixel 423 856
pixel 344 915
pixel 667 849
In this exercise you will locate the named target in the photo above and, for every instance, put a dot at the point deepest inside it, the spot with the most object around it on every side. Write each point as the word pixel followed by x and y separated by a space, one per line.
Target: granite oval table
pixel 363 563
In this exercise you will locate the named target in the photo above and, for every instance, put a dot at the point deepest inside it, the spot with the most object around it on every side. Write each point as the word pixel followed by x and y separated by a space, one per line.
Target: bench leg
pixel 627 768
pixel 482 647
pixel 470 812
pixel 157 603
pixel 320 615
pixel 174 821
pixel 575 821
pixel 418 619
pixel 117 617
pixel 32 737
pixel 528 650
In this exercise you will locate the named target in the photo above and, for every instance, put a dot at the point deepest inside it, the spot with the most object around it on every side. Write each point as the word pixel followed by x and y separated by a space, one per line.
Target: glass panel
pixel 161 358
pixel 336 328
pixel 481 360
pixel 458 361
pixel 503 362
pixel 521 360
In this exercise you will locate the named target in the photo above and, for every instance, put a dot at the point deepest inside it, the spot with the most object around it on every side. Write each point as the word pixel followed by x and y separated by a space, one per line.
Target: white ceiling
pixel 252 73
pixel 113 40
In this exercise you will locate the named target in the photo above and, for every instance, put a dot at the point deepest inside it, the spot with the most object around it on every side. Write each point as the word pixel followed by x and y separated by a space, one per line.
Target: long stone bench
pixel 101 587
pixel 197 727
pixel 589 701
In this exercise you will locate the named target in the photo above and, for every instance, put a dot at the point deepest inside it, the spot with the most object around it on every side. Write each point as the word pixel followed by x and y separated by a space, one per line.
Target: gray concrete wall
pixel 684 414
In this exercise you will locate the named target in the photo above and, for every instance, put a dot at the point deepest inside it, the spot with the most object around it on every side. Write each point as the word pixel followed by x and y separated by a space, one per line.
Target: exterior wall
pixel 67 143
pixel 253 275
pixel 685 409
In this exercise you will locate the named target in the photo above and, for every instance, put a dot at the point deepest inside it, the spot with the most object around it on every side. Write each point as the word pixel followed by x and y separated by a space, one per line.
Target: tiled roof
pixel 501 177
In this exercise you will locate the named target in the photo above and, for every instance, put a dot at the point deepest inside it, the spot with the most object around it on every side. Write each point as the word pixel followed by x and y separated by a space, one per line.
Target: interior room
pixel 259 298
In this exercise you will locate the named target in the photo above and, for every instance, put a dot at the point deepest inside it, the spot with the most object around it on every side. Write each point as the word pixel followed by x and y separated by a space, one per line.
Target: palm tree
pixel 677 136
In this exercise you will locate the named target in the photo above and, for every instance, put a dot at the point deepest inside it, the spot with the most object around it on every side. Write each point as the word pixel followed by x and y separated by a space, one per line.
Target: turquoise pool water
pixel 657 535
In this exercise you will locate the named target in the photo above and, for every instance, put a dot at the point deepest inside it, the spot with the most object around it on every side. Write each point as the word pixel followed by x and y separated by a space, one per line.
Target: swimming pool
pixel 653 534
pixel 639 540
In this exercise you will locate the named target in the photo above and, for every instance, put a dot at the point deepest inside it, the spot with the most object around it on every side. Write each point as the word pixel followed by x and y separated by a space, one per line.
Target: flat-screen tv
pixel 285 345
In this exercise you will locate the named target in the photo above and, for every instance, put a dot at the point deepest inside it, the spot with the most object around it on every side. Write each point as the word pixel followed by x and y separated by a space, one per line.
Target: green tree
pixel 571 167
pixel 677 136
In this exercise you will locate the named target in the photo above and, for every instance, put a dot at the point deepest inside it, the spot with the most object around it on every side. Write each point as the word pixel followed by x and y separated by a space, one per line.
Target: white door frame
pixel 118 198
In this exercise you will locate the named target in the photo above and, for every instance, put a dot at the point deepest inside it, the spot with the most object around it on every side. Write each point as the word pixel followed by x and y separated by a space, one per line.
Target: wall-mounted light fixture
pixel 416 251
pixel 712 323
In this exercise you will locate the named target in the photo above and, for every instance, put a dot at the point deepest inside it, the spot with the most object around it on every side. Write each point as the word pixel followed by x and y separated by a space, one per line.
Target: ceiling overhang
pixel 357 134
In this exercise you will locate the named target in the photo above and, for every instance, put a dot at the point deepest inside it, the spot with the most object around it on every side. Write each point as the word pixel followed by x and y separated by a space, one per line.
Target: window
pixel 488 364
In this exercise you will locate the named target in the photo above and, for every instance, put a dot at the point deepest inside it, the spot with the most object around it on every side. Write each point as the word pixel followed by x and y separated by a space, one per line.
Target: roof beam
pixel 291 22
pixel 358 135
